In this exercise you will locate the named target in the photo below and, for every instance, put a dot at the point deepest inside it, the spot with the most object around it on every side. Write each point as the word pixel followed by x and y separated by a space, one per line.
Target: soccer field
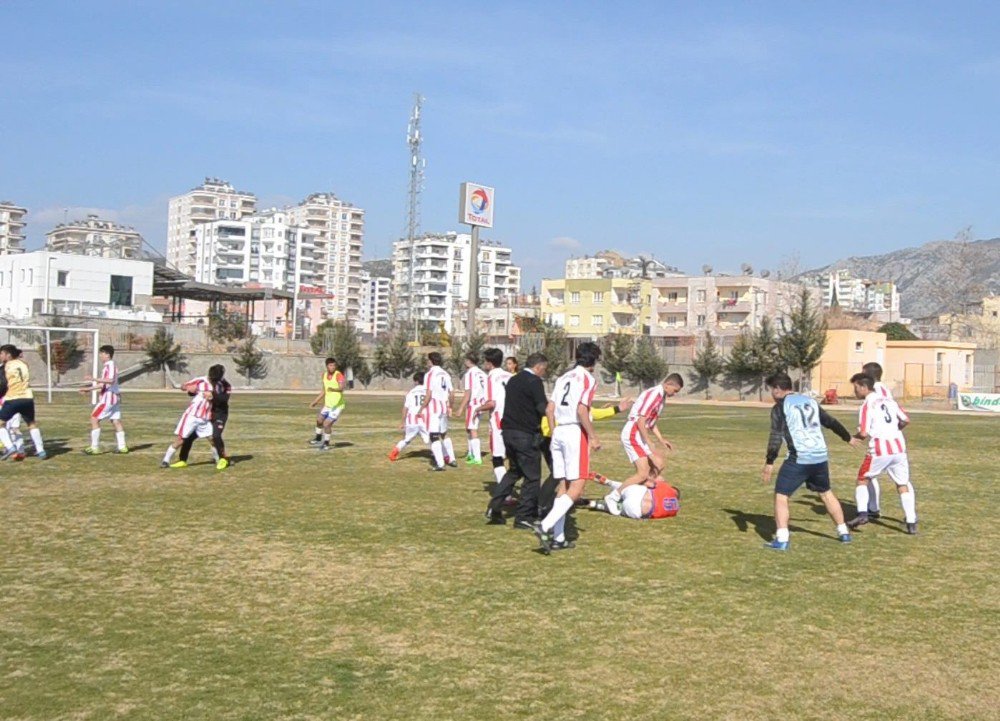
pixel 308 585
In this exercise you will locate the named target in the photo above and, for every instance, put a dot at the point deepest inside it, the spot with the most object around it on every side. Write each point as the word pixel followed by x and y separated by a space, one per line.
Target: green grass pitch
pixel 304 585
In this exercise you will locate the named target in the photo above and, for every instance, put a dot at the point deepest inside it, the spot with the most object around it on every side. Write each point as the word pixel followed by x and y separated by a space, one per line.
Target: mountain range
pixel 918 272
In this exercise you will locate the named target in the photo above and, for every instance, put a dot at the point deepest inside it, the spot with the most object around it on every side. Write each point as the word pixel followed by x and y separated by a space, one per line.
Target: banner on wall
pixel 979 402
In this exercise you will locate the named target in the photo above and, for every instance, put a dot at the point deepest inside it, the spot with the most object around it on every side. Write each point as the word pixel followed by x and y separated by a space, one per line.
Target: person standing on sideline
pixel 474 384
pixel 573 438
pixel 881 422
pixel 108 402
pixel 332 397
pixel 511 365
pixel 524 408
pixel 799 421
pixel 437 409
pixel 18 398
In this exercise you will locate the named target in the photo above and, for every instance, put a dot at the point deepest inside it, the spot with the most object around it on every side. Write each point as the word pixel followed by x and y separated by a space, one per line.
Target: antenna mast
pixel 417 164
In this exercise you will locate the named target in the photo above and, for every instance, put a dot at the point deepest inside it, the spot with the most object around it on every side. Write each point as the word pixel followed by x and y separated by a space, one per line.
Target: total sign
pixel 475 205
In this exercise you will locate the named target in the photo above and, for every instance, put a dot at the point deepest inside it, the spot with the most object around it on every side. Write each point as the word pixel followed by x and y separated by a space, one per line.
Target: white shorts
pixel 897 466
pixel 498 449
pixel 635 447
pixel 188 424
pixel 437 422
pixel 104 412
pixel 414 431
pixel 472 417
pixel 570 453
pixel 632 498
pixel 331 414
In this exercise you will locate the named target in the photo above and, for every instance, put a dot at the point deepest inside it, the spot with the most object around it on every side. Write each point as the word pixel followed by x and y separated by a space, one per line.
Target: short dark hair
pixel 863 379
pixel 587 354
pixel 330 360
pixel 435 358
pixel 534 359
pixel 493 356
pixel 216 372
pixel 675 379
pixel 109 349
pixel 781 381
pixel 873 370
pixel 11 349
pixel 418 377
pixel 472 358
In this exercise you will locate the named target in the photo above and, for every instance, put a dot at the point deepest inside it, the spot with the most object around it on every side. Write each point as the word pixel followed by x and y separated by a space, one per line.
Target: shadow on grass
pixel 424 453
pixel 57 447
pixel 763 525
pixel 233 460
pixel 140 447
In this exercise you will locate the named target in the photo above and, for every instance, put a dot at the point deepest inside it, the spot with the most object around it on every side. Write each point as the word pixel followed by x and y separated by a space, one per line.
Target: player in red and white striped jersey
pixel 881 421
pixel 414 419
pixel 196 420
pixel 874 490
pixel 573 438
pixel 635 434
pixel 474 383
pixel 437 406
pixel 108 402
pixel 496 395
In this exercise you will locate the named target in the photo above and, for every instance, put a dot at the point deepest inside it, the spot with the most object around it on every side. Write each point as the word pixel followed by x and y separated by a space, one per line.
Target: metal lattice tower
pixel 417 165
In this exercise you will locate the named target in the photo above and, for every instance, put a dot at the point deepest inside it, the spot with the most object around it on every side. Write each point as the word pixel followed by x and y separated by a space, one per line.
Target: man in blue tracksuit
pixel 798 420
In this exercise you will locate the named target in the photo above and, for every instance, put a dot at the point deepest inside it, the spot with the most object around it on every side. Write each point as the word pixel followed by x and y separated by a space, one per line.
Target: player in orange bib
pixel 654 498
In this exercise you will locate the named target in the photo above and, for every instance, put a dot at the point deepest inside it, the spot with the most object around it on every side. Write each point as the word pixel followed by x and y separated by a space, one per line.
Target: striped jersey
pixel 437 383
pixel 496 391
pixel 110 392
pixel 879 418
pixel 574 388
pixel 201 406
pixel 474 382
pixel 412 403
pixel 648 406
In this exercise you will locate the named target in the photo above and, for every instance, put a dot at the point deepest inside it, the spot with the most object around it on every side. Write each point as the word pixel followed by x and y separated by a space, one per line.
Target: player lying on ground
pixel 653 498
pixel 108 405
pixel 414 420
pixel 332 398
pixel 881 422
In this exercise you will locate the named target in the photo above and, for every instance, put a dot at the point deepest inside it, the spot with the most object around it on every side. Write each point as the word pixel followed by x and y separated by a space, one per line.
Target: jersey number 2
pixel 565 401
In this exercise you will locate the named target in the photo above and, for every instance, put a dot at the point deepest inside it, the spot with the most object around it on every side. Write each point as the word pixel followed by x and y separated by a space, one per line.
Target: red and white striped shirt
pixel 496 391
pixel 414 400
pixel 648 406
pixel 879 419
pixel 475 382
pixel 201 406
pixel 110 394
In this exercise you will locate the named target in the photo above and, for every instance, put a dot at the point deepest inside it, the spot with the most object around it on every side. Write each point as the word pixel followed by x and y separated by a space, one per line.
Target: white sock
pixel 613 505
pixel 615 494
pixel 95 437
pixel 319 431
pixel 36 438
pixel 120 437
pixel 861 498
pixel 438 454
pixel 559 509
pixel 499 472
pixel 401 445
pixel 169 454
pixel 326 438
pixel 909 503
pixel 876 495
pixel 215 454
pixel 449 449
pixel 474 447
pixel 18 441
pixel 842 529
pixel 781 535
pixel 5 439
pixel 559 530
pixel 613 485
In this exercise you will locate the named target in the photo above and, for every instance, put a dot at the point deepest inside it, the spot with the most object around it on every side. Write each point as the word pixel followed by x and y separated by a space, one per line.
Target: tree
pixel 250 361
pixel 955 287
pixel 363 373
pixel 66 351
pixel 615 350
pixel 394 357
pixel 225 326
pixel 765 345
pixel 741 365
pixel 708 363
pixel 163 353
pixel 645 366
pixel 340 340
pixel 897 331
pixel 555 348
pixel 455 362
pixel 802 345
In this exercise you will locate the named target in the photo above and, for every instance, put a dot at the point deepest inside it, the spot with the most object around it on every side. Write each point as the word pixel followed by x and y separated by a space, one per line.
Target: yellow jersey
pixel 16 371
pixel 333 387
pixel 596 414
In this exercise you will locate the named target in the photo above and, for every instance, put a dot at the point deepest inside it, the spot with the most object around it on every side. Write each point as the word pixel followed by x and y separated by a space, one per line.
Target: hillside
pixel 917 271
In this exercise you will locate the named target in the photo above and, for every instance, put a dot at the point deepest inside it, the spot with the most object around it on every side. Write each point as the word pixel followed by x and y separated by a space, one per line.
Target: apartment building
pixel 11 227
pixel 375 315
pixel 442 269
pixel 95 237
pixel 265 249
pixel 878 299
pixel 340 228
pixel 609 264
pixel 723 305
pixel 594 307
pixel 214 199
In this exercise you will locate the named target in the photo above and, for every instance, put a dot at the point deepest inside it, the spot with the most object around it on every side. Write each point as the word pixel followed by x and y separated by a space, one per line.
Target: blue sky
pixel 710 132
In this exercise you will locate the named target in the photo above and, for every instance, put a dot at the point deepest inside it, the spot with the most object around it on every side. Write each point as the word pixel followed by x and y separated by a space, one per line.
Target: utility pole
pixel 417 165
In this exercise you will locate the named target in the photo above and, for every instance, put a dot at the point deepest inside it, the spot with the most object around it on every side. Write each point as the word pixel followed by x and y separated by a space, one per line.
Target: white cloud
pixel 564 242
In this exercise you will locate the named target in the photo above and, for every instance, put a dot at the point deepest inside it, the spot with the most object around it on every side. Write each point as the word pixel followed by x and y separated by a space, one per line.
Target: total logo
pixel 480 201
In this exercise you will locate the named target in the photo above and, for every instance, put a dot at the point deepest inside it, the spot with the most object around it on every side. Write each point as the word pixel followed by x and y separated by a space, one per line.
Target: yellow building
pixel 846 351
pixel 594 307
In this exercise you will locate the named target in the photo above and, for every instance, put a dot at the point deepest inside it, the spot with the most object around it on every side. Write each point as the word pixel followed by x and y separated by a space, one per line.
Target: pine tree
pixel 340 340
pixel 163 353
pixel 249 360
pixel 393 357
pixel 555 348
pixel 741 364
pixel 766 359
pixel 615 350
pixel 225 326
pixel 708 363
pixel 645 366
pixel 802 345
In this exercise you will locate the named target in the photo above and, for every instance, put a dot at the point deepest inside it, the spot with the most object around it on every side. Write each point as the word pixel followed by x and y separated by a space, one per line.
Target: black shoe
pixel 494 519
pixel 874 515
pixel 522 525
pixel 164 464
pixel 859 520
pixel 436 468
pixel 911 528
pixel 453 464
pixel 563 545
pixel 544 537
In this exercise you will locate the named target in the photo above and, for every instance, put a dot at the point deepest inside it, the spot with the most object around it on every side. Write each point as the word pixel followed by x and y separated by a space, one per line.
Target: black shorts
pixel 24 406
pixel 791 475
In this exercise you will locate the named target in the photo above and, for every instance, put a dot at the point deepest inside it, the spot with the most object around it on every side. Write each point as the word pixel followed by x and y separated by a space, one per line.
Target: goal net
pixel 58 358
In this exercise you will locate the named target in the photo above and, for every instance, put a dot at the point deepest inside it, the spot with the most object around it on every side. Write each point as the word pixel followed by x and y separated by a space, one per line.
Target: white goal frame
pixel 47 330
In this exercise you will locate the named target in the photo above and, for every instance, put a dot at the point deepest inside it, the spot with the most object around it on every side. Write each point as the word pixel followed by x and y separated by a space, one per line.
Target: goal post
pixel 42 339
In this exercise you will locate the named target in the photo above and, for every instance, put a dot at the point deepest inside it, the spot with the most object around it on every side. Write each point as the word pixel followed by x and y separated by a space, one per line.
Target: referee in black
pixel 522 434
